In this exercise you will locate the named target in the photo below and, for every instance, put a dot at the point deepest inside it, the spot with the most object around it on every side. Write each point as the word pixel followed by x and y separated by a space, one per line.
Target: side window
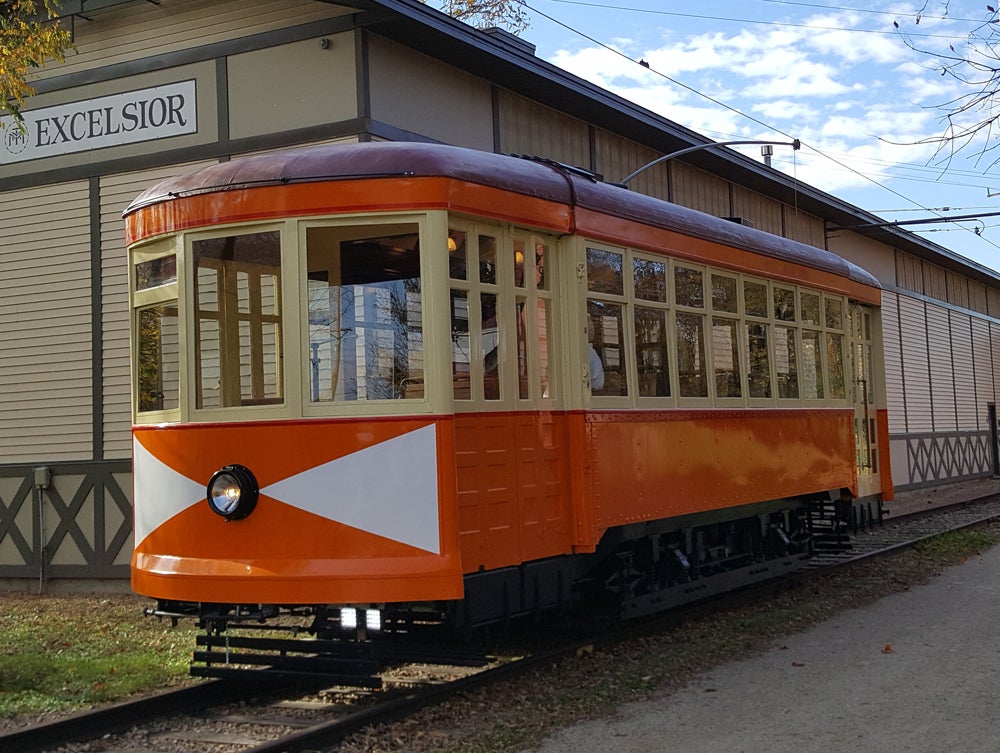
pixel 812 347
pixel 652 355
pixel 606 351
pixel 692 363
pixel 158 351
pixel 758 351
pixel 836 368
pixel 726 369
pixel 532 317
pixel 157 333
pixel 364 308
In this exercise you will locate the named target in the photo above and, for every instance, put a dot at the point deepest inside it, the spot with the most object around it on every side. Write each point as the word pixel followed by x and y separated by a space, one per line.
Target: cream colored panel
pixel 700 190
pixel 117 192
pixel 963 371
pixel 894 390
pixel 763 212
pixel 617 157
pixel 419 94
pixel 982 359
pixel 45 312
pixel 203 74
pixel 530 128
pixel 939 356
pixel 913 348
pixel 877 258
pixel 141 30
pixel 292 86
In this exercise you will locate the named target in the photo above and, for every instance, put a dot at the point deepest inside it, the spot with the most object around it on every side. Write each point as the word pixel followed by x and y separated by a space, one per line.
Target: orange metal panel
pixel 298 549
pixel 513 498
pixel 649 465
pixel 341 197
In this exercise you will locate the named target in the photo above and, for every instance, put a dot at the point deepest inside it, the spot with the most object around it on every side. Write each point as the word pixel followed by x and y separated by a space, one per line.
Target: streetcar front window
pixel 238 320
pixel 364 313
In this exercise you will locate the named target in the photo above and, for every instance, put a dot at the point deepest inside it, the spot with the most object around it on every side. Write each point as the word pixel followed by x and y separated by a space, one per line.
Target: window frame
pixel 791 293
pixel 148 298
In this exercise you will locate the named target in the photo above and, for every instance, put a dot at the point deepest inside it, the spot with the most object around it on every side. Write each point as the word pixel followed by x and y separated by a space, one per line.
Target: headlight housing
pixel 232 492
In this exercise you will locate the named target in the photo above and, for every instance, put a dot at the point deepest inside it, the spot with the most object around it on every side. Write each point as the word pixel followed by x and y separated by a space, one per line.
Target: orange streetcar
pixel 373 376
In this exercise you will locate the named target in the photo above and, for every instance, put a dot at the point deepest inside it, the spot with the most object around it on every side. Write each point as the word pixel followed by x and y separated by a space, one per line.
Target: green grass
pixel 64 652
pixel 59 653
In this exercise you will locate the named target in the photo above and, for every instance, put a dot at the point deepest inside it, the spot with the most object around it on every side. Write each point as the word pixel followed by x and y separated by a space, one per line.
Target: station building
pixel 153 88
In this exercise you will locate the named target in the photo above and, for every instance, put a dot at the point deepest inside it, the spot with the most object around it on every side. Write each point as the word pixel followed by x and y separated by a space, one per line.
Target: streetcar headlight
pixel 232 492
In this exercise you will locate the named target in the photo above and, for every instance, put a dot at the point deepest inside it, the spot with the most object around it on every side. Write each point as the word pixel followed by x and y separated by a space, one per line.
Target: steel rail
pixel 893 536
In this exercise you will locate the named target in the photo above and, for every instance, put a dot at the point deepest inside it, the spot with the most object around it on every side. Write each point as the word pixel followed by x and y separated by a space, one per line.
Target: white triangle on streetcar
pixel 389 489
pixel 164 492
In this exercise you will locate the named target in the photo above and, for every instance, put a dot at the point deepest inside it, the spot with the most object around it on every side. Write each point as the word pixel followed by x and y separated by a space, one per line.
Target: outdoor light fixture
pixel 232 492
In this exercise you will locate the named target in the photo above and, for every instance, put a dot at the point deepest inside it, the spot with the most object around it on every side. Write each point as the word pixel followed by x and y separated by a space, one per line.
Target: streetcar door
pixel 865 407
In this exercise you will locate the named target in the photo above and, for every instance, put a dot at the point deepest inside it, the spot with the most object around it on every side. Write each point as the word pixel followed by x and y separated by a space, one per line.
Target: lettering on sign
pixel 144 115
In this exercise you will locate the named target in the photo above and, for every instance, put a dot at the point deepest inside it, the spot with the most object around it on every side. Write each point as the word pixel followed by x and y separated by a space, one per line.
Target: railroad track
pixel 223 715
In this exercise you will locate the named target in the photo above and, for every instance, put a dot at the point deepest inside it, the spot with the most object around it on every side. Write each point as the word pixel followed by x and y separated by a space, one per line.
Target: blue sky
pixel 834 74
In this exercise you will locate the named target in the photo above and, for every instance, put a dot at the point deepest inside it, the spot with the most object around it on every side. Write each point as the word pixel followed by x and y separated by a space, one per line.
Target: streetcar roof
pixel 537 178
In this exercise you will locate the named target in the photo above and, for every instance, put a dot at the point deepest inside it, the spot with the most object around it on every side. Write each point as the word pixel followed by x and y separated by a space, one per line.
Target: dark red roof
pixel 537 178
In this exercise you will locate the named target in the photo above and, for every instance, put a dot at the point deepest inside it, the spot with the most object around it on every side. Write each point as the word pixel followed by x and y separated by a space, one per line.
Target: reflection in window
pixel 543 327
pixel 651 354
pixel 458 261
pixel 238 320
pixel 724 294
pixel 812 366
pixel 691 365
pixel 784 304
pixel 835 364
pixel 461 347
pixel 541 259
pixel 604 271
pixel 364 309
pixel 158 358
pixel 650 280
pixel 491 346
pixel 156 272
pixel 758 363
pixel 785 365
pixel 755 299
pixel 488 259
pixel 606 337
pixel 834 313
pixel 726 358
pixel 689 287
pixel 810 308
pixel 519 261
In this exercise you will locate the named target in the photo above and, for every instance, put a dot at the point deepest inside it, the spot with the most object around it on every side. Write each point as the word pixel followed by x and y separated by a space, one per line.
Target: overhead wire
pixel 788 24
pixel 713 100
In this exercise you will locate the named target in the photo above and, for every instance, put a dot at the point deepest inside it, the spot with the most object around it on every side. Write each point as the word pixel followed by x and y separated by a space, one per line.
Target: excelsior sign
pixel 143 115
